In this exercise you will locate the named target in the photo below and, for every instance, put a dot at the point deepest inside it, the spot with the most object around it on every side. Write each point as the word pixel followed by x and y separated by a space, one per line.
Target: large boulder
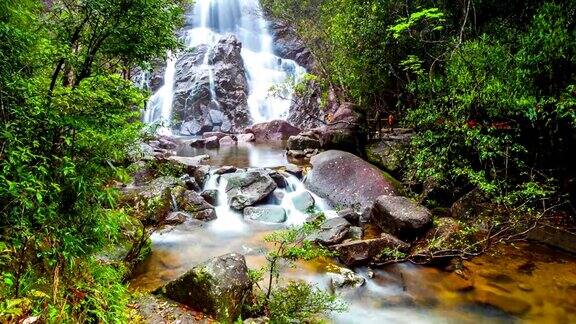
pixel 303 201
pixel 360 252
pixel 401 216
pixel 247 188
pixel 287 45
pixel 300 142
pixel 266 214
pixel 347 180
pixel 152 202
pixel 276 130
pixel 386 153
pixel 218 287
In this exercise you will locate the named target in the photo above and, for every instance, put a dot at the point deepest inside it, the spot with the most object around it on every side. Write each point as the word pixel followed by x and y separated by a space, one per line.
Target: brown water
pixel 521 283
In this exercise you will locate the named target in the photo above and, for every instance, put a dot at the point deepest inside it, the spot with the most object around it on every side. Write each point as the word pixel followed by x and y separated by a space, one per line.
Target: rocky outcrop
pixel 386 153
pixel 276 130
pixel 347 180
pixel 288 45
pixel 401 216
pixel 217 287
pixel 360 252
pixel 194 104
pixel 193 203
pixel 247 188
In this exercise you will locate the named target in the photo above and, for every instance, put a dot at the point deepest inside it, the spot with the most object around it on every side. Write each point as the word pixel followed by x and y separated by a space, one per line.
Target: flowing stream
pixel 403 293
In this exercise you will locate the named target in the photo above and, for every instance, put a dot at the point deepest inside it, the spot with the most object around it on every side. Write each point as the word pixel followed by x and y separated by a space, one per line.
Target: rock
pixel 247 188
pixel 198 143
pixel 258 320
pixel 227 141
pixel 505 302
pixel 294 170
pixel 332 231
pixel 278 178
pixel 212 142
pixel 151 202
pixel 555 237
pixel 300 142
pixel 201 173
pixel 218 287
pixel 266 214
pixel 189 164
pixel 288 45
pixel 193 203
pixel 387 152
pixel 219 135
pixel 210 195
pixel 246 138
pixel 363 251
pixel 400 216
pixel 167 144
pixel 344 278
pixel 354 233
pixel 350 215
pixel 175 218
pixel 303 201
pixel 226 169
pixel 276 130
pixel 470 206
pixel 157 309
pixel 190 183
pixel 343 178
pixel 296 154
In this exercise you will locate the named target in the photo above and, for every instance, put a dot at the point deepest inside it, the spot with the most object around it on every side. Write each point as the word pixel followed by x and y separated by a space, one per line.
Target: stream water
pixel 525 283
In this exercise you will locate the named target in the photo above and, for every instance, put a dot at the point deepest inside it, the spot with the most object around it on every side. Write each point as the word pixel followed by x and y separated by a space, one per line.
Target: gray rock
pixel 354 233
pixel 151 202
pixel 190 183
pixel 176 218
pixel 266 214
pixel 345 278
pixel 350 215
pixel 303 201
pixel 332 231
pixel 401 216
pixel 294 170
pixel 210 195
pixel 246 138
pixel 247 188
pixel 212 142
pixel 276 130
pixel 167 144
pixel 201 173
pixel 363 251
pixel 226 169
pixel 193 203
pixel 300 142
pixel 227 141
pixel 347 180
pixel 217 287
pixel 198 143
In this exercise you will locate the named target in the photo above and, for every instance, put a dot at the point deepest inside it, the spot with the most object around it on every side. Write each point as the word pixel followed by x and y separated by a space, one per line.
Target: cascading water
pixel 267 73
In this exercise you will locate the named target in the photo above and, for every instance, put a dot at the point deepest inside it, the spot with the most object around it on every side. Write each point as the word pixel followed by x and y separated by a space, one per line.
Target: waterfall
pixel 208 21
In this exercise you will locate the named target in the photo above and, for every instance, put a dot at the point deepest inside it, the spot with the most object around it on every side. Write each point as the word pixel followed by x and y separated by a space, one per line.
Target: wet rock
pixel 187 164
pixel 350 215
pixel 266 214
pixel 190 183
pixel 363 251
pixel 198 143
pixel 440 236
pixel 303 201
pixel 212 142
pixel 210 195
pixel 505 302
pixel 300 142
pixel 167 144
pixel 246 138
pixel 470 206
pixel 297 154
pixel 226 169
pixel 400 216
pixel 156 309
pixel 294 170
pixel 218 287
pixel 227 141
pixel 277 177
pixel 276 130
pixel 344 278
pixel 193 203
pixel 332 231
pixel 343 178
pixel 201 173
pixel 288 45
pixel 176 218
pixel 247 188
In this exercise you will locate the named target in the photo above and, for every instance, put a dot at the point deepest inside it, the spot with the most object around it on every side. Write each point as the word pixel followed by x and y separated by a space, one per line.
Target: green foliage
pixel 68 120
